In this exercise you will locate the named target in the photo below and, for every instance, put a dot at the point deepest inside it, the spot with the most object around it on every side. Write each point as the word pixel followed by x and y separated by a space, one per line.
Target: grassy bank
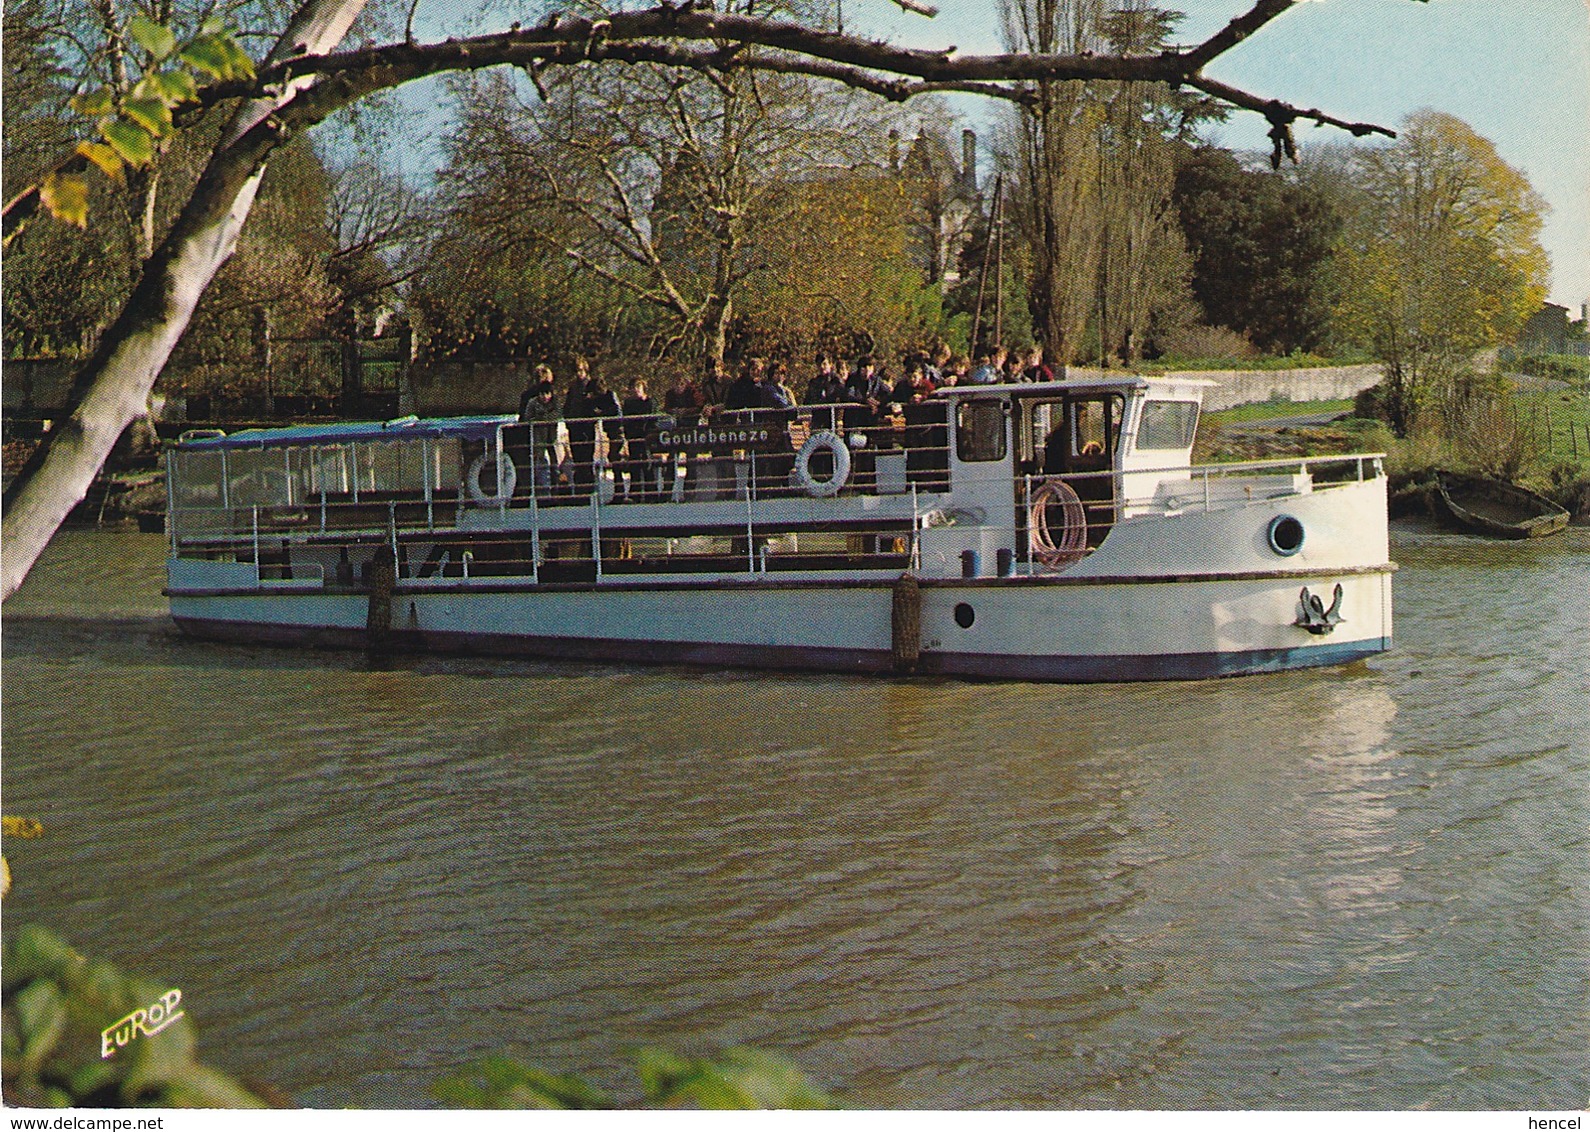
pixel 1267 410
pixel 1535 435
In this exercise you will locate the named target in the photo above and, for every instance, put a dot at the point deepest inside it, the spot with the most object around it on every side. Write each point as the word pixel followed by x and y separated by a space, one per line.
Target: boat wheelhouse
pixel 1052 531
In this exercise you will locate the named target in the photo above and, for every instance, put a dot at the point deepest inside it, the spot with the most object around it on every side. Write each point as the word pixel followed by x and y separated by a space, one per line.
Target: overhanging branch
pixel 716 42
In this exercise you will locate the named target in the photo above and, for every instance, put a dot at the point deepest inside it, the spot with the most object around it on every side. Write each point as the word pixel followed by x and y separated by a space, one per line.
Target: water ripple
pixel 1340 889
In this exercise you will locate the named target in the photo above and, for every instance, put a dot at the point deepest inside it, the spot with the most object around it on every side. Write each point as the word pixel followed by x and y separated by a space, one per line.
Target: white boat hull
pixel 1082 629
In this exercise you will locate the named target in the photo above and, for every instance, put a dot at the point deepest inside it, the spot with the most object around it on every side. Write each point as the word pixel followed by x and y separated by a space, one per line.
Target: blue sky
pixel 1518 71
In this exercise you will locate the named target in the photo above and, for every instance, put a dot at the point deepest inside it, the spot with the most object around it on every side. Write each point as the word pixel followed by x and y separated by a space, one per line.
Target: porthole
pixel 965 615
pixel 1286 535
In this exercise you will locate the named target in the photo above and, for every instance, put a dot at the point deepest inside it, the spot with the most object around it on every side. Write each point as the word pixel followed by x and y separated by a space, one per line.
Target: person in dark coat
pixel 582 429
pixel 682 400
pixel 867 393
pixel 825 388
pixel 638 410
pixel 714 386
pixel 746 392
pixel 587 401
pixel 539 409
pixel 911 387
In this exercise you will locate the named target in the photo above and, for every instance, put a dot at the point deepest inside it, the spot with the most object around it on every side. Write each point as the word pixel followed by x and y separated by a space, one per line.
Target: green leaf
pixel 205 53
pixel 498 1082
pixel 146 87
pixel 108 160
pixel 199 1086
pixel 91 1076
pixel 10 1039
pixel 57 1098
pixel 176 86
pixel 218 56
pixel 130 140
pixel 101 101
pixel 662 1070
pixel 152 37
pixel 41 1020
pixel 31 951
pixel 241 66
pixel 741 1078
pixel 150 113
pixel 769 1081
pixel 66 196
pixel 99 986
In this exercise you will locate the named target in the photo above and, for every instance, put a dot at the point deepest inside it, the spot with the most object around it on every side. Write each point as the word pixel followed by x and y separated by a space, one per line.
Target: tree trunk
pixel 715 328
pixel 112 389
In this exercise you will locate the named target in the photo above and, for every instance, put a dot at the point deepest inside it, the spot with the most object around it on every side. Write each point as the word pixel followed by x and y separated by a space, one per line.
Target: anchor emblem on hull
pixel 1314 616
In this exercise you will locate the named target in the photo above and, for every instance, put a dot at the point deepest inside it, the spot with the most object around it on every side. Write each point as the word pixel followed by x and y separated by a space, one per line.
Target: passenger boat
pixel 1497 508
pixel 1053 531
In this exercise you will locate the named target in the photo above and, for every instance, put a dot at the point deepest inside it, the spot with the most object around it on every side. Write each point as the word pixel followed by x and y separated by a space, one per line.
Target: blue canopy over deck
pixel 353 432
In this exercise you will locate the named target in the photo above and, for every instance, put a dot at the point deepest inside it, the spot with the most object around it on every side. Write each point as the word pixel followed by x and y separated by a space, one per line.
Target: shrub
pixel 58 1002
pixel 1208 342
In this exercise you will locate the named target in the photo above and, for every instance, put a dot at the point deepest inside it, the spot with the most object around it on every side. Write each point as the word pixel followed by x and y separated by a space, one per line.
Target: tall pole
pixel 999 272
pixel 1104 259
pixel 982 278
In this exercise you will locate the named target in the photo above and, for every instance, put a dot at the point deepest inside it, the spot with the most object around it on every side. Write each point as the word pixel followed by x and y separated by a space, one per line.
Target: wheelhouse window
pixel 1168 424
pixel 1098 423
pixel 1067 434
pixel 980 430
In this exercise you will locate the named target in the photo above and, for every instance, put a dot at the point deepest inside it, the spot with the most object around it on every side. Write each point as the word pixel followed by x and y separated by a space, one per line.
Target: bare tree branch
pixel 1235 32
pixel 654 36
pixel 1274 109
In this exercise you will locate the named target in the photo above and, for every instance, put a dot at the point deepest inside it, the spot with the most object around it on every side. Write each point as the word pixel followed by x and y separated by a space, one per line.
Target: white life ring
pixel 810 484
pixel 507 478
pixel 1072 542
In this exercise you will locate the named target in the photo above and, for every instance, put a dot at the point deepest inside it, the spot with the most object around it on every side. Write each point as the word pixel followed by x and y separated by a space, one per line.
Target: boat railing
pixel 860 499
pixel 1333 468
pixel 455 542
pixel 747 455
pixel 743 454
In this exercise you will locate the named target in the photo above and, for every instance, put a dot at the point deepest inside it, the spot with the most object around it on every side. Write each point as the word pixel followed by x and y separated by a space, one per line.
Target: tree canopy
pixel 304 78
pixel 1261 247
pixel 1443 259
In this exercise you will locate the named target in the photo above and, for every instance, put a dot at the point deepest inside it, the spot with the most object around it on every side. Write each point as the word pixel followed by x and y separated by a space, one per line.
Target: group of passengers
pixel 598 423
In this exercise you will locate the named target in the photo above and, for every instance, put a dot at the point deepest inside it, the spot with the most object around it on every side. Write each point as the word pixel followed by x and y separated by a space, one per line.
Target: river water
pixel 1365 887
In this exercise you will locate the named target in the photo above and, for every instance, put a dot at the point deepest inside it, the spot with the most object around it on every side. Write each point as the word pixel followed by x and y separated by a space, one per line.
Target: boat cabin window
pixel 980 430
pixel 1168 424
pixel 259 477
pixel 1070 434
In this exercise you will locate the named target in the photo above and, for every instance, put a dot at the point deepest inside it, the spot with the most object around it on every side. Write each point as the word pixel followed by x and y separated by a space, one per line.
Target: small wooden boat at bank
pixel 1497 508
pixel 1052 531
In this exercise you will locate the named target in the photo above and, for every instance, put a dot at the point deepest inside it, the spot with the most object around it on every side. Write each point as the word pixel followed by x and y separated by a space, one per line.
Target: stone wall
pixel 1242 387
